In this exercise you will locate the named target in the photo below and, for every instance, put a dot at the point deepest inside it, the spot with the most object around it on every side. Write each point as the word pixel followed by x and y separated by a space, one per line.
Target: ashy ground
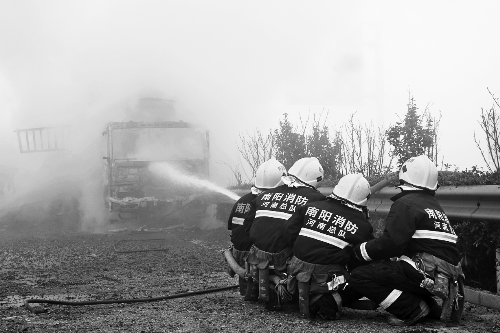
pixel 75 266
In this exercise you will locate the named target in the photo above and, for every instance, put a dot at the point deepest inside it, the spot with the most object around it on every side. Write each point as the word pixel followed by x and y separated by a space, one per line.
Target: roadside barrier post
pixel 497 263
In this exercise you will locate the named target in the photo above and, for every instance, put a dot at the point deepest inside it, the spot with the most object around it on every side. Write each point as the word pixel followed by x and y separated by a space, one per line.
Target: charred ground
pixel 47 261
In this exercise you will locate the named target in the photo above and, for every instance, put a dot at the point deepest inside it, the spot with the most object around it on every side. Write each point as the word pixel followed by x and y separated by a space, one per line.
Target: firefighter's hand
pixel 230 232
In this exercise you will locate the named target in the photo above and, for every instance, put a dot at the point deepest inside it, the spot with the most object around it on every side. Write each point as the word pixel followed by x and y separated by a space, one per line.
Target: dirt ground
pixel 59 264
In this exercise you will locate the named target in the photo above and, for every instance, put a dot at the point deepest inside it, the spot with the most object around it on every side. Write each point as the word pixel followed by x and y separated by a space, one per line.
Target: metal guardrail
pixel 475 203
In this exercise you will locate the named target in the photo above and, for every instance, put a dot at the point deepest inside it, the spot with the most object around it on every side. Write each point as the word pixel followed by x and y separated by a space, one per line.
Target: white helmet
pixel 269 174
pixel 308 170
pixel 353 188
pixel 419 172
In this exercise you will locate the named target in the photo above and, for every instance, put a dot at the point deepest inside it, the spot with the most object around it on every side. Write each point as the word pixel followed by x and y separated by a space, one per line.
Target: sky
pixel 235 67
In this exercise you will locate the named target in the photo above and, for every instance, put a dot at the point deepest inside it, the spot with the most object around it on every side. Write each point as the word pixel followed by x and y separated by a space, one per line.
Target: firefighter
pixel 265 221
pixel 421 241
pixel 322 234
pixel 267 176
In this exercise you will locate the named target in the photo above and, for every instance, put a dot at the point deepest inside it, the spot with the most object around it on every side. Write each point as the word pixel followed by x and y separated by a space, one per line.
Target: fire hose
pixel 111 301
pixel 132 300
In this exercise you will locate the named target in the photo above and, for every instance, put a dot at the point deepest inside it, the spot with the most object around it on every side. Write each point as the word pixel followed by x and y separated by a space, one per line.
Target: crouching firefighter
pixel 267 176
pixel 322 234
pixel 418 232
pixel 265 222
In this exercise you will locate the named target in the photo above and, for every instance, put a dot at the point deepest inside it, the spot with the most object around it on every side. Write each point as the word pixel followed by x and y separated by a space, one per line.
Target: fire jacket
pixel 269 211
pixel 323 232
pixel 239 237
pixel 416 223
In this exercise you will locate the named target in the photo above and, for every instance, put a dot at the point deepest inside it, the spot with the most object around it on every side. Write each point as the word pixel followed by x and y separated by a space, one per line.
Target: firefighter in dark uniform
pixel 322 234
pixel 267 176
pixel 265 222
pixel 422 244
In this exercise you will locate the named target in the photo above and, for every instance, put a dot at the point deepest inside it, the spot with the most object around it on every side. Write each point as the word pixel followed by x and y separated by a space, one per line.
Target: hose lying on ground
pixel 111 301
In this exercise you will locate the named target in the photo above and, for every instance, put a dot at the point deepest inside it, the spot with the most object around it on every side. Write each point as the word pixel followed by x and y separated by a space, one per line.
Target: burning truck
pixel 131 189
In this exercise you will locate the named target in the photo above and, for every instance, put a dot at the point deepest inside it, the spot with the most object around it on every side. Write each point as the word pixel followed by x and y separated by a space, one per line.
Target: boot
pixel 325 307
pixel 304 299
pixel 418 313
pixel 252 292
pixel 243 286
pixel 264 284
pixel 274 303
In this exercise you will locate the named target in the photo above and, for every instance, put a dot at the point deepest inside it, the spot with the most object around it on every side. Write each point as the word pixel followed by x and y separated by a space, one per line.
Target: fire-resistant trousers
pixel 394 285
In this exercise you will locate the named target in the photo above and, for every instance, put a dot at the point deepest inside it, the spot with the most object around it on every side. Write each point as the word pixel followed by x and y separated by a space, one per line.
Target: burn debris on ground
pixel 76 266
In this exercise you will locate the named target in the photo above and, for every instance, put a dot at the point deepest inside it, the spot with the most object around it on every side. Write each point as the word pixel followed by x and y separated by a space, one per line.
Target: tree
pixel 410 138
pixel 490 125
pixel 289 146
pixel 320 145
pixel 363 149
pixel 255 149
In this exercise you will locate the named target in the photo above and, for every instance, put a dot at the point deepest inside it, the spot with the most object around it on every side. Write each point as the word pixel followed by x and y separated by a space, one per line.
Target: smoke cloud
pixel 230 68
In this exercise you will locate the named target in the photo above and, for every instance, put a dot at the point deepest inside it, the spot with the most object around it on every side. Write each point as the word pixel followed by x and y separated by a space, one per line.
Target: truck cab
pixel 131 190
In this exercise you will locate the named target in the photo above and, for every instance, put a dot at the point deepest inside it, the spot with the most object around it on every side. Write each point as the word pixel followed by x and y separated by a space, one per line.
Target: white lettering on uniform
pixel 351 227
pixel 290 197
pixel 240 208
pixel 310 222
pixel 301 201
pixel 431 213
pixel 339 220
pixel 312 211
pixel 321 226
pixel 325 215
pixel 277 196
pixel 332 229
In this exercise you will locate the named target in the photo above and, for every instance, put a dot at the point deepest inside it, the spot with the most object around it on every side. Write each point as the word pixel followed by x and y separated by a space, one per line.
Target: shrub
pixel 477 243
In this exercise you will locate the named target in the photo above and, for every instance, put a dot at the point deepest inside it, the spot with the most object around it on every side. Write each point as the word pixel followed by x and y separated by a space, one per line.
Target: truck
pixel 148 133
pixel 131 189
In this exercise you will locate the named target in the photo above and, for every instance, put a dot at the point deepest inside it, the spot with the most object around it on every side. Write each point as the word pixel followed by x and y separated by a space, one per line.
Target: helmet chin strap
pixel 293 181
pixel 405 186
pixel 256 190
pixel 408 188
pixel 347 202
